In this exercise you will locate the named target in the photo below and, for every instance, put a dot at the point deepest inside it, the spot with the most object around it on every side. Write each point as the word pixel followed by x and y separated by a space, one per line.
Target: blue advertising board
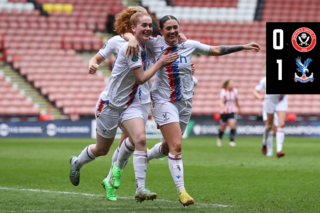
pixel 45 129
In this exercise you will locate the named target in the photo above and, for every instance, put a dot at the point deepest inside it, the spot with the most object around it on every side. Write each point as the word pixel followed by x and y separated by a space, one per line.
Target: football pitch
pixel 34 177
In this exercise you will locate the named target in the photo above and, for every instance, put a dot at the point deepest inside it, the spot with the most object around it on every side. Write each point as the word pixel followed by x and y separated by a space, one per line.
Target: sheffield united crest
pixel 304 39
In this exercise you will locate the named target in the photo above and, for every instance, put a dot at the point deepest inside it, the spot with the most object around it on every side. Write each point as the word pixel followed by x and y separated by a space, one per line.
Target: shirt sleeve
pixel 134 62
pixel 259 87
pixel 195 81
pixel 199 48
pixel 221 95
pixel 107 49
pixel 152 42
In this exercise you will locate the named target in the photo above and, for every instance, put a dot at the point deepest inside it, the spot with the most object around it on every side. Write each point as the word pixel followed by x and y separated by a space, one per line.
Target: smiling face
pixel 143 29
pixel 170 31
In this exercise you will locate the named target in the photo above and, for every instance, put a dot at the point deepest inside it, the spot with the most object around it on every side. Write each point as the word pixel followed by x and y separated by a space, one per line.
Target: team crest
pixel 303 68
pixel 304 39
pixel 134 58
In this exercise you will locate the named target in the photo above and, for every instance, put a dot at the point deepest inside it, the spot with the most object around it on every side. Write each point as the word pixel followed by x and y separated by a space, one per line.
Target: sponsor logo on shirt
pixel 134 58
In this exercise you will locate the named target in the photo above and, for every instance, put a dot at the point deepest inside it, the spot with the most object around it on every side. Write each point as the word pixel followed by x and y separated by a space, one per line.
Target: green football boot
pixel 110 191
pixel 74 172
pixel 145 194
pixel 115 176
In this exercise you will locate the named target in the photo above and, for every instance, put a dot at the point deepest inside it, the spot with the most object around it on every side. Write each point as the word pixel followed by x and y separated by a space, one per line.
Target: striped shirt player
pixel 123 98
pixel 172 90
pixel 229 98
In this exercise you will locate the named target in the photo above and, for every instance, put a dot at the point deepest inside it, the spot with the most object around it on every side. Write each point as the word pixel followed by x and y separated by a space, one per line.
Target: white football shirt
pixel 112 46
pixel 123 88
pixel 174 82
pixel 229 99
pixel 263 85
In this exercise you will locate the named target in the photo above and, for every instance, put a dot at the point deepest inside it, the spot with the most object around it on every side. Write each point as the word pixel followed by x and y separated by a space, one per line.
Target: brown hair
pixel 165 19
pixel 122 24
pixel 225 84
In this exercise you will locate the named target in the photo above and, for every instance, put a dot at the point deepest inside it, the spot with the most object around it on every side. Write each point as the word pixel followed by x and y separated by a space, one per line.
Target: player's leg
pixel 264 142
pixel 106 118
pixel 159 150
pixel 232 124
pixel 110 190
pixel 223 123
pixel 280 133
pixel 272 135
pixel 136 129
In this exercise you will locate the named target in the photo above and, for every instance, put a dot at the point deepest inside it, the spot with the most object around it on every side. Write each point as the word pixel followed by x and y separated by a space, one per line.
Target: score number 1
pixel 278 47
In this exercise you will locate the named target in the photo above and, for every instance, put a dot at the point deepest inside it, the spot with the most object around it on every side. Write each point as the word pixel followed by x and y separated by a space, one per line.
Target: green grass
pixel 240 178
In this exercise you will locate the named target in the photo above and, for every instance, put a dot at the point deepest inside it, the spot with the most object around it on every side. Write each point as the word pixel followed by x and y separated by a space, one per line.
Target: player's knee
pixel 141 139
pixel 177 148
pixel 165 150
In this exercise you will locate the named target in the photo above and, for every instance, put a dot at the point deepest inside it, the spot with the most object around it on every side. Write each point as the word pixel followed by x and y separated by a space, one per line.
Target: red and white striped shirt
pixel 229 99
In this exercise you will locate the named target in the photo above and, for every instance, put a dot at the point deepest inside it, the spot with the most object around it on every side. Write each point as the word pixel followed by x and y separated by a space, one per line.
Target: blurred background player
pixel 228 102
pixel 278 104
pixel 267 146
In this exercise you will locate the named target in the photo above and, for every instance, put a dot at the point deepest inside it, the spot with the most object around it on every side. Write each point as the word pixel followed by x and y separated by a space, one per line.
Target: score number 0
pixel 278 47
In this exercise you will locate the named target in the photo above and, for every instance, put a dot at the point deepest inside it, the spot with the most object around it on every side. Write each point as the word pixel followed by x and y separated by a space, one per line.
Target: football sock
pixel 232 134
pixel 220 133
pixel 280 139
pixel 114 159
pixel 176 169
pixel 155 152
pixel 125 152
pixel 140 168
pixel 264 138
pixel 85 156
pixel 270 142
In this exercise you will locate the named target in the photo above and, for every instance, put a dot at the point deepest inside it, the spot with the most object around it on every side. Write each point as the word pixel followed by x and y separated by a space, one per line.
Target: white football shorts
pixel 272 104
pixel 171 112
pixel 109 118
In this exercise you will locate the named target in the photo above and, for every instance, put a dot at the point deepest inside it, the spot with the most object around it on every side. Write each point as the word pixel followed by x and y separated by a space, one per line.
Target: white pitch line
pixel 99 195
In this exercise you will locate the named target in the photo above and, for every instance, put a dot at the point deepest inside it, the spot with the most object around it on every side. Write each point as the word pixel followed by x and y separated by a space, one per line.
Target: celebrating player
pixel 278 104
pixel 267 145
pixel 124 103
pixel 172 91
pixel 228 102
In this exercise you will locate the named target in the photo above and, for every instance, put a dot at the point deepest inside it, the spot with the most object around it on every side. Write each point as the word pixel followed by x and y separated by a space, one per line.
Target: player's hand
pixel 93 68
pixel 193 68
pixel 167 59
pixel 182 38
pixel 252 46
pixel 239 111
pixel 133 48
pixel 225 111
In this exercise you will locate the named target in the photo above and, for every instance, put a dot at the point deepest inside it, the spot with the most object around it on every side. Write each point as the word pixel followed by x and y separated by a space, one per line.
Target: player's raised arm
pixel 224 50
pixel 94 63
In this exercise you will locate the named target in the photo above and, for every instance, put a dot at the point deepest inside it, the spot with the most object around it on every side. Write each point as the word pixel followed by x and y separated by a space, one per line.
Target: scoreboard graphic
pixel 293 58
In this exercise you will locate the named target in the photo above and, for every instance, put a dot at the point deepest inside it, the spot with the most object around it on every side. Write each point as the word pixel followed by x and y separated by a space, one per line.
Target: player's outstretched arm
pixel 94 63
pixel 224 50
pixel 143 76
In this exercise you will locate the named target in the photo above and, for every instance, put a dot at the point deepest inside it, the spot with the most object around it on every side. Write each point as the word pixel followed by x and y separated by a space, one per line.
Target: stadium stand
pixel 13 103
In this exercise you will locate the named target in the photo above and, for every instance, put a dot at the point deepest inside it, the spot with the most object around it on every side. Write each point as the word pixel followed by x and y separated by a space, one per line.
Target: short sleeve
pixel 221 95
pixel 199 48
pixel 260 86
pixel 195 81
pixel 107 49
pixel 134 62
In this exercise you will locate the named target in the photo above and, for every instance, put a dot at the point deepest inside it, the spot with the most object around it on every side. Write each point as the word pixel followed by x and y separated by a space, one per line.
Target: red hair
pixel 123 24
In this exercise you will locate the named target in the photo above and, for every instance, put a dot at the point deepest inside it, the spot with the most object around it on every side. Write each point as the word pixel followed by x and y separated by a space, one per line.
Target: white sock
pixel 176 169
pixel 155 152
pixel 270 142
pixel 266 134
pixel 264 138
pixel 85 156
pixel 140 168
pixel 280 139
pixel 125 152
pixel 114 159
